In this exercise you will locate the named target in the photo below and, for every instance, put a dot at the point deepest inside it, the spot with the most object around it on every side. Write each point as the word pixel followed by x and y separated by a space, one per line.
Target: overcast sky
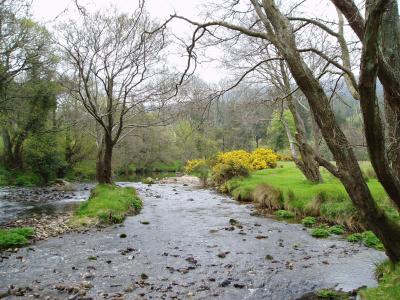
pixel 49 12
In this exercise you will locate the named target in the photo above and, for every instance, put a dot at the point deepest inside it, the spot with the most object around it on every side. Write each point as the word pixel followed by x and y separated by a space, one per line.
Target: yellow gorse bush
pixel 263 158
pixel 236 159
pixel 234 163
pixel 240 163
pixel 194 165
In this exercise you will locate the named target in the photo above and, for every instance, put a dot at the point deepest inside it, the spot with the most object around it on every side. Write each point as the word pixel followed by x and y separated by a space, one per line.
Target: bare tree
pixel 115 61
pixel 276 28
pixel 379 34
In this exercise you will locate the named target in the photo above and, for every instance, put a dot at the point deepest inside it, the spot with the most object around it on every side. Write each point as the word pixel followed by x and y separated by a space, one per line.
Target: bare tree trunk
pixel 104 161
pixel 12 151
pixel 382 27
pixel 308 164
pixel 350 173
pixel 390 45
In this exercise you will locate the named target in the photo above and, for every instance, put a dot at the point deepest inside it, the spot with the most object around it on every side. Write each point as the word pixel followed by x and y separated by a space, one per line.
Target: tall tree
pixel 28 91
pixel 380 35
pixel 276 29
pixel 114 59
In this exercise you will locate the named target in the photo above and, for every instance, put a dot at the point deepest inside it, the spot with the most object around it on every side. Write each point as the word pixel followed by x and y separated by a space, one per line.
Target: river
pixel 182 246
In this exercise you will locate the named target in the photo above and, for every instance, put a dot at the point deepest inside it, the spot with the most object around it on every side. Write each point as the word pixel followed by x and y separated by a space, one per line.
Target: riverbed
pixel 189 243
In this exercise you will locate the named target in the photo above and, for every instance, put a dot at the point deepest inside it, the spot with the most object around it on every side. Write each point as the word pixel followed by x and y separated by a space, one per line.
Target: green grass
pixel 107 204
pixel 308 221
pixel 320 232
pixel 15 237
pixel 389 283
pixel 368 238
pixel 328 200
pixel 336 229
pixel 166 167
pixel 83 171
pixel 284 214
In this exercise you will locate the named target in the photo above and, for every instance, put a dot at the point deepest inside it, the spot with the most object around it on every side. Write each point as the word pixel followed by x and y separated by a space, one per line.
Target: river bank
pixel 183 245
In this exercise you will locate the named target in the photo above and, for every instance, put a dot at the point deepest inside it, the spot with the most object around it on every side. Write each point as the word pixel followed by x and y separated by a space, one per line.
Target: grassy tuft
pixel 267 197
pixel 328 200
pixel 285 214
pixel 332 294
pixel 368 238
pixel 15 237
pixel 336 229
pixel 308 221
pixel 320 232
pixel 108 204
pixel 388 276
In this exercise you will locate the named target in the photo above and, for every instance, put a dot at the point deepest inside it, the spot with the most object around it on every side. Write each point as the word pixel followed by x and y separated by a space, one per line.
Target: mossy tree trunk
pixel 347 165
pixel 104 161
pixel 307 162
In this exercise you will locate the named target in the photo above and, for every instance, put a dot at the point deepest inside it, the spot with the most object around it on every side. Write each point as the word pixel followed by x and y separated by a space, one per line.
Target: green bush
pixel 308 221
pixel 355 237
pixel 371 240
pixel 320 232
pixel 27 232
pixel 367 238
pixel 336 229
pixel 223 172
pixel 148 180
pixel 332 294
pixel 284 214
pixel 108 204
pixel 82 171
pixel 15 237
pixel 42 157
pixel 388 276
pixel 28 179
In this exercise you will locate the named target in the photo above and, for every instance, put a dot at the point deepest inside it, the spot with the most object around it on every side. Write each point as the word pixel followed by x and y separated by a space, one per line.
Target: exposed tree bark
pixel 307 164
pixel 13 146
pixel 113 57
pixel 346 57
pixel 104 161
pixel 390 45
pixel 381 45
pixel 384 62
pixel 279 32
pixel 349 170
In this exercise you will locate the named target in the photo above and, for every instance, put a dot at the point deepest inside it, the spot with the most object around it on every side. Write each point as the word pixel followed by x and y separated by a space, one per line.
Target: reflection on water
pixel 17 202
pixel 138 177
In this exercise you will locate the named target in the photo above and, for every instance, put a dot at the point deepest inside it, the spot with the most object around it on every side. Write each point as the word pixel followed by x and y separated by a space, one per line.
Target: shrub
pixel 222 172
pixel 199 168
pixel 27 179
pixel 367 238
pixel 43 158
pixel 267 197
pixel 308 221
pixel 284 157
pixel 148 180
pixel 284 214
pixel 336 229
pixel 15 237
pixel 107 204
pixel 263 158
pixel 320 232
pixel 355 237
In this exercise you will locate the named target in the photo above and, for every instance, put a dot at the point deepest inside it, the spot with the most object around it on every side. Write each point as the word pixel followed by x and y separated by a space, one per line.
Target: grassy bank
pixel 327 200
pixel 15 237
pixel 107 204
pixel 389 283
